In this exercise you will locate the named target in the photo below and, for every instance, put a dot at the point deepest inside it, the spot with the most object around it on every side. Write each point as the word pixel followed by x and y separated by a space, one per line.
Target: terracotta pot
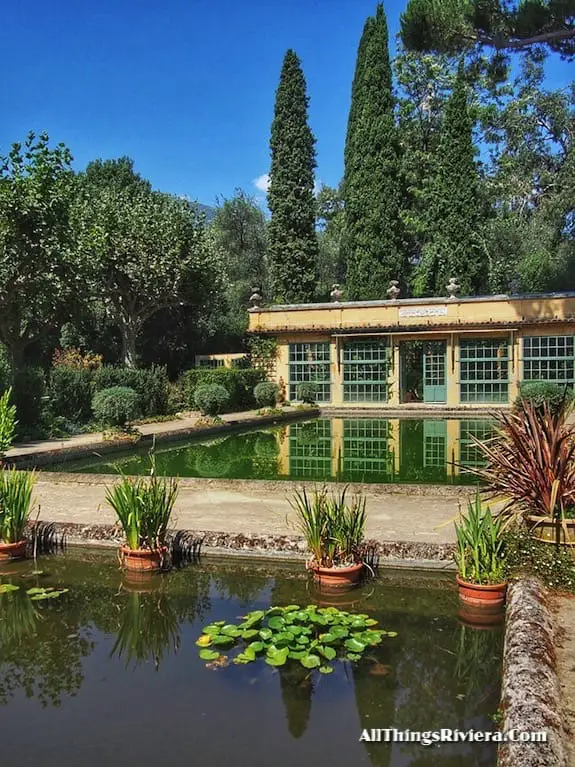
pixel 485 618
pixel 336 577
pixel 544 529
pixel 482 595
pixel 142 560
pixel 13 550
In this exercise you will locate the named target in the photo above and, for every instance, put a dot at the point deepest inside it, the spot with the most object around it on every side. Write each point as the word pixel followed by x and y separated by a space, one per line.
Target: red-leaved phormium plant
pixel 530 463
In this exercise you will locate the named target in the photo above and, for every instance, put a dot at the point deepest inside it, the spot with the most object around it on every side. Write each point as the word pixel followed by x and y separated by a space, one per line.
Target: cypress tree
pixel 372 186
pixel 293 241
pixel 453 247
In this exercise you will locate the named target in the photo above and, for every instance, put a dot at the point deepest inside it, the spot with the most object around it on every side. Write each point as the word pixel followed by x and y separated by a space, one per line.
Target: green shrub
pixel 176 399
pixel 7 422
pixel 266 394
pixel 527 556
pixel 211 399
pixel 28 391
pixel 307 392
pixel 540 392
pixel 70 392
pixel 116 406
pixel 238 382
pixel 151 385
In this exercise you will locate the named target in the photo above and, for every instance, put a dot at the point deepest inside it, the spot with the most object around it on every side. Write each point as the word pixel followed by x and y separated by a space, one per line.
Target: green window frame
pixel 310 362
pixel 365 371
pixel 310 450
pixel 549 358
pixel 212 364
pixel 366 450
pixel 482 429
pixel 484 370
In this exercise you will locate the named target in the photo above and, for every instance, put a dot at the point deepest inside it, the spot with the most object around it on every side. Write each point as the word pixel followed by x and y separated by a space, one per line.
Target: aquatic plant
pixel 333 530
pixel 480 553
pixel 313 636
pixel 15 503
pixel 36 593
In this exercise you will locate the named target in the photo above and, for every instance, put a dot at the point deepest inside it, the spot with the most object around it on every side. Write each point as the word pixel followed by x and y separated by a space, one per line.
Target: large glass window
pixel 469 453
pixel 310 450
pixel 484 370
pixel 366 455
pixel 365 371
pixel 548 358
pixel 310 362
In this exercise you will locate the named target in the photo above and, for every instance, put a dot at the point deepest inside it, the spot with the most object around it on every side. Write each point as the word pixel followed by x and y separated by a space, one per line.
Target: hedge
pixel 116 406
pixel 239 383
pixel 211 399
pixel 71 394
pixel 541 392
pixel 150 384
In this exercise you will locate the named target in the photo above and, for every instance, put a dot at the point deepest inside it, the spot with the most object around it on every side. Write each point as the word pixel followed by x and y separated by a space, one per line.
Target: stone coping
pixel 531 693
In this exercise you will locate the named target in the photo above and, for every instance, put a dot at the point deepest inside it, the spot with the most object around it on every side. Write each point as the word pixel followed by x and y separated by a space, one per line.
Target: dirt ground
pixel 565 613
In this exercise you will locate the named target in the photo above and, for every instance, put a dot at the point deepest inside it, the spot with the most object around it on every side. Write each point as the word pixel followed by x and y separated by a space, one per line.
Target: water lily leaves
pixel 284 637
pixel 390 633
pixel 328 652
pixel 6 588
pixel 353 656
pixel 297 654
pixel 310 661
pixel 370 622
pixel 302 640
pixel 278 657
pixel 212 630
pixel 252 619
pixel 276 623
pixel 266 634
pixel 221 640
pixel 354 645
pixel 204 641
pixel 209 654
pixel 230 630
pixel 326 669
pixel 248 633
pixel 36 594
pixel 328 638
pixel 291 608
pixel 256 646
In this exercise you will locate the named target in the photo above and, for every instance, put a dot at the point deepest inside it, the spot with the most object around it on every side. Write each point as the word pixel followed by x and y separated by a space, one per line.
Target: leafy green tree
pixel 453 26
pixel 331 234
pixel 39 279
pixel 372 185
pixel 292 236
pixel 115 174
pixel 143 252
pixel 454 215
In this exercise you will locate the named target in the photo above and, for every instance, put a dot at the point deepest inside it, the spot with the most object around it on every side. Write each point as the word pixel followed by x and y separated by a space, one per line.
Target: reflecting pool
pixel 109 673
pixel 338 449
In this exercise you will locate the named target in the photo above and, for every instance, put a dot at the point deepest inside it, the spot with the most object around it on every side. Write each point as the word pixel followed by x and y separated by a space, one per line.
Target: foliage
pixel 263 352
pixel 115 406
pixel 15 503
pixel 144 506
pixel 143 252
pixel 8 423
pixel 525 555
pixel 39 277
pixel 372 185
pixel 74 359
pixel 293 247
pixel 530 463
pixel 453 26
pixel 315 637
pixel 480 554
pixel 331 238
pixel 541 393
pixel 70 391
pixel 452 247
pixel 239 383
pixel 28 392
pixel 151 385
pixel 211 399
pixel 266 394
pixel 307 392
pixel 333 530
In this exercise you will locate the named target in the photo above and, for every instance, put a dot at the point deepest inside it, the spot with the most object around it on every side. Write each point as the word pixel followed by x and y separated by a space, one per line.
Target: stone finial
pixel 393 291
pixel 256 298
pixel 336 294
pixel 452 287
pixel 515 286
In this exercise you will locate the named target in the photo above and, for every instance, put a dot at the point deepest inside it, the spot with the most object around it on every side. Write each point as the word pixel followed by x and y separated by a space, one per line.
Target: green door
pixel 434 388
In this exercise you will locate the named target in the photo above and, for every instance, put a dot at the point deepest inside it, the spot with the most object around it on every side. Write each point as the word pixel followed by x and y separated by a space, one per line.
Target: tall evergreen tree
pixel 372 186
pixel 292 237
pixel 455 207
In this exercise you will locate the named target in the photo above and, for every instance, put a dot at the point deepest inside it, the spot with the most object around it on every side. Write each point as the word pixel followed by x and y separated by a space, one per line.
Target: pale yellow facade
pixel 499 330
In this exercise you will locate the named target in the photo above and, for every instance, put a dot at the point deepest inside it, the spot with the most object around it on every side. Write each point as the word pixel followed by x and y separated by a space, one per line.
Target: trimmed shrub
pixel 27 394
pixel 70 391
pixel 307 392
pixel 151 385
pixel 116 406
pixel 211 399
pixel 238 382
pixel 541 392
pixel 266 394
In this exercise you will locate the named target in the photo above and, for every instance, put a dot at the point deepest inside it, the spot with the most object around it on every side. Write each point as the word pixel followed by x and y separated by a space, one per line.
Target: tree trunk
pixel 129 334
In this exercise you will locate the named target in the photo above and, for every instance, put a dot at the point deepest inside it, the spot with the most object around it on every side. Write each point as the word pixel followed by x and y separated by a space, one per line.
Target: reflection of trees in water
pixel 241 582
pixel 238 455
pixel 41 650
pixel 437 679
pixel 297 690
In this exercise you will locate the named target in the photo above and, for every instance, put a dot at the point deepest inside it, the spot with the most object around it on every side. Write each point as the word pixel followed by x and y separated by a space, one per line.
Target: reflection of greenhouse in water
pixel 383 450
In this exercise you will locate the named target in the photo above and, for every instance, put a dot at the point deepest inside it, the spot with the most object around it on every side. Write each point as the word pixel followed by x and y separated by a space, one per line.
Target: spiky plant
pixel 15 503
pixel 480 553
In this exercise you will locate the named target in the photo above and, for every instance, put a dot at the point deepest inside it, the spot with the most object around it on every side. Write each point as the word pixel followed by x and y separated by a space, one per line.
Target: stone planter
pixel 545 529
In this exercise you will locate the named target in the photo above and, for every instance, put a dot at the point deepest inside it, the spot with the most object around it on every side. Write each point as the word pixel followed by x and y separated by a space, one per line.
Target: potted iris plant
pixel 15 508
pixel 334 532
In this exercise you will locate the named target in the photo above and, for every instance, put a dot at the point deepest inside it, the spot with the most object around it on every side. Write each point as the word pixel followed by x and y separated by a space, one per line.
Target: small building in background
pixel 229 360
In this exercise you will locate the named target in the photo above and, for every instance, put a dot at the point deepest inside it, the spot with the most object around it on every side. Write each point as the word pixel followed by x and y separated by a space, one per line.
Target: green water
pixel 339 449
pixel 109 674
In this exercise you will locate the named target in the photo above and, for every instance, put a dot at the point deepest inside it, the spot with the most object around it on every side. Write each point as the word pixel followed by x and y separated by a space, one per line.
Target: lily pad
pixel 6 588
pixel 310 661
pixel 209 654
pixel 326 669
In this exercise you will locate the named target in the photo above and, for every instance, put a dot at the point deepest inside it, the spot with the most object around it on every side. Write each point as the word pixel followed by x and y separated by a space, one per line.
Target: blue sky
pixel 185 87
